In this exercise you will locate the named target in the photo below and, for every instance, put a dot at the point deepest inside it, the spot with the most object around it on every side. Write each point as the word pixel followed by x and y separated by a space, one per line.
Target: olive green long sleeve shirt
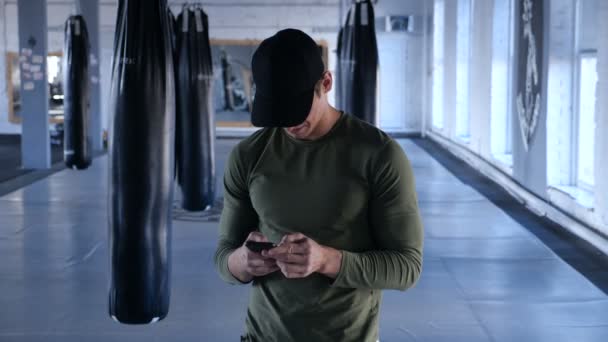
pixel 353 189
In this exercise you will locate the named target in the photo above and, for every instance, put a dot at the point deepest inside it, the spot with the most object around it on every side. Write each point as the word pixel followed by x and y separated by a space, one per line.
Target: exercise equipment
pixel 76 142
pixel 195 113
pixel 141 163
pixel 358 62
pixel 338 73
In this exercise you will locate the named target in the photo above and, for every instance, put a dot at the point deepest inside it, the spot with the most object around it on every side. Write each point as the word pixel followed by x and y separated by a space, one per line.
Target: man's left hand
pixel 299 256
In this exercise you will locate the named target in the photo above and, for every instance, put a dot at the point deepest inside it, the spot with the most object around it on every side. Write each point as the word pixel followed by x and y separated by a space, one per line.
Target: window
pixel 571 104
pixel 463 50
pixel 501 94
pixel 585 120
pixel 582 173
pixel 438 70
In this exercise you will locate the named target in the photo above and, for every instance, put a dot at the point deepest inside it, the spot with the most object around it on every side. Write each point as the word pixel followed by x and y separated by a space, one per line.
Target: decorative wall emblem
pixel 528 96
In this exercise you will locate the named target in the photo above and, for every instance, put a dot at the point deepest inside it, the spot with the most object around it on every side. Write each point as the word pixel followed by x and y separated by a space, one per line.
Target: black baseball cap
pixel 286 67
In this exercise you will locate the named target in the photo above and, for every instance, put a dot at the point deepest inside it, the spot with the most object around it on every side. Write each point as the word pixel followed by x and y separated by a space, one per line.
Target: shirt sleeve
pixel 238 217
pixel 396 226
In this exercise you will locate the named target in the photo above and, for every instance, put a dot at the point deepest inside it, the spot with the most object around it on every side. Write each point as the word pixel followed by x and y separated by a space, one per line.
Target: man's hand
pixel 299 256
pixel 245 264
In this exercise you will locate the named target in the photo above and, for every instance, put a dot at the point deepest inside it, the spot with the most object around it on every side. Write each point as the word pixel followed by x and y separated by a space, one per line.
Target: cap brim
pixel 281 112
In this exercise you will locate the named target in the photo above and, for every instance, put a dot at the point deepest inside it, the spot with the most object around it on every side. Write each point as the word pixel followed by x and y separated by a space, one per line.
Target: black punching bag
pixel 359 62
pixel 338 72
pixel 195 115
pixel 141 157
pixel 76 146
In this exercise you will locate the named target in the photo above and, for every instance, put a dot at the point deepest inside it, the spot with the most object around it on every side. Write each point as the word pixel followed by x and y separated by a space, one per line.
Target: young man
pixel 336 195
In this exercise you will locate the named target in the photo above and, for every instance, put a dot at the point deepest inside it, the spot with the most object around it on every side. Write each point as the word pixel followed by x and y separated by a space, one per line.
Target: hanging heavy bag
pixel 141 157
pixel 338 72
pixel 359 62
pixel 346 63
pixel 196 163
pixel 172 31
pixel 365 85
pixel 76 144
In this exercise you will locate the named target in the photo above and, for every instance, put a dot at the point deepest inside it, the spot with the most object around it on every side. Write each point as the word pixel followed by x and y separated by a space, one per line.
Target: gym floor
pixel 491 272
pixel 10 157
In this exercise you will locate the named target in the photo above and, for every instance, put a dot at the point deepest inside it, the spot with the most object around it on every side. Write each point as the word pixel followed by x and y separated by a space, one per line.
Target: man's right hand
pixel 245 264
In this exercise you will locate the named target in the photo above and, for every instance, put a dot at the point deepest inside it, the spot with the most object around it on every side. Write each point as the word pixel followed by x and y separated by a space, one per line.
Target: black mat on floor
pixel 584 257
pixel 10 157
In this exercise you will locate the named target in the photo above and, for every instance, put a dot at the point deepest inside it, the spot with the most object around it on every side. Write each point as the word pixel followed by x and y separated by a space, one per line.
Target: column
pixel 35 140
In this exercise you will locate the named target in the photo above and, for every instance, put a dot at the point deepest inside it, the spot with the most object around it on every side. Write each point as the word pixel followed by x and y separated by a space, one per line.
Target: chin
pixel 302 133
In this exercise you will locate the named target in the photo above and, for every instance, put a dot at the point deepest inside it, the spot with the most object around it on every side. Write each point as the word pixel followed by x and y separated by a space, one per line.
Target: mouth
pixel 296 130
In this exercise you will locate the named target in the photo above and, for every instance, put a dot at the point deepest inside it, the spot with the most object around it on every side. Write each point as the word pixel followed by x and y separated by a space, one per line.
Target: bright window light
pixel 438 70
pixel 586 120
pixel 54 67
pixel 463 49
pixel 502 64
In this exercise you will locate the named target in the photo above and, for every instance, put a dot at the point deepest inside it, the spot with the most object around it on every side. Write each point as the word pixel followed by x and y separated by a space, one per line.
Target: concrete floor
pixel 485 277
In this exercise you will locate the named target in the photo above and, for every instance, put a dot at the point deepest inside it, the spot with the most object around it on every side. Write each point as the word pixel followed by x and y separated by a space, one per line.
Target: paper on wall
pixel 36 59
pixel 28 86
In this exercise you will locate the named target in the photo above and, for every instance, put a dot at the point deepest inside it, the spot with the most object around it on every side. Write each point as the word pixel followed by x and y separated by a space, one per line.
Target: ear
pixel 328 81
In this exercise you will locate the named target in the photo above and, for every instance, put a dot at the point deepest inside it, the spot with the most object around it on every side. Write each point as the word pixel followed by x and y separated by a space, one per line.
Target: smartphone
pixel 258 247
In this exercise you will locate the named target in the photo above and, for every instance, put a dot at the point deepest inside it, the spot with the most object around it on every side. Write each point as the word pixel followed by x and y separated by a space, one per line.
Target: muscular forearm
pixel 228 272
pixel 237 266
pixel 380 269
pixel 333 261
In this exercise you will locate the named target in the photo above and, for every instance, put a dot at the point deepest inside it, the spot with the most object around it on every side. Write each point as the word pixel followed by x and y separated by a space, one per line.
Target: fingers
pixel 261 262
pixel 293 238
pixel 299 245
pixel 262 271
pixel 291 258
pixel 293 270
pixel 288 248
pixel 256 236
pixel 257 266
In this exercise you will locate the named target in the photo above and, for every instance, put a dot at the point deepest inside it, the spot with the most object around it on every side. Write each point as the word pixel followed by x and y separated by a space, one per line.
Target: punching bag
pixel 359 62
pixel 172 31
pixel 195 114
pixel 338 72
pixel 76 144
pixel 141 163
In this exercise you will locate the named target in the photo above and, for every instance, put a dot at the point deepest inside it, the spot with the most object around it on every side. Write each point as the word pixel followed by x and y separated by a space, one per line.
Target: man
pixel 335 193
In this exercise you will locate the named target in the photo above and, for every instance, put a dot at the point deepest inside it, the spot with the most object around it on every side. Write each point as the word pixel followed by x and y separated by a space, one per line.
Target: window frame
pixel 462 125
pixel 576 118
pixel 438 90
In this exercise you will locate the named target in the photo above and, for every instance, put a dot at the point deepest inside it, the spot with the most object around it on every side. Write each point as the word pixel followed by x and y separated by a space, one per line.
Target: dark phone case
pixel 257 247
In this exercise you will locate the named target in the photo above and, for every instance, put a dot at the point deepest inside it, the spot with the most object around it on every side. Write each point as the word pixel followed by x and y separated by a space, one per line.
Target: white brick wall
pixel 229 19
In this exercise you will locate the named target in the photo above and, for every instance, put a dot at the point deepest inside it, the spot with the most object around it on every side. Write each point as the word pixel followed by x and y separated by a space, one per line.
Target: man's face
pixel 305 129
